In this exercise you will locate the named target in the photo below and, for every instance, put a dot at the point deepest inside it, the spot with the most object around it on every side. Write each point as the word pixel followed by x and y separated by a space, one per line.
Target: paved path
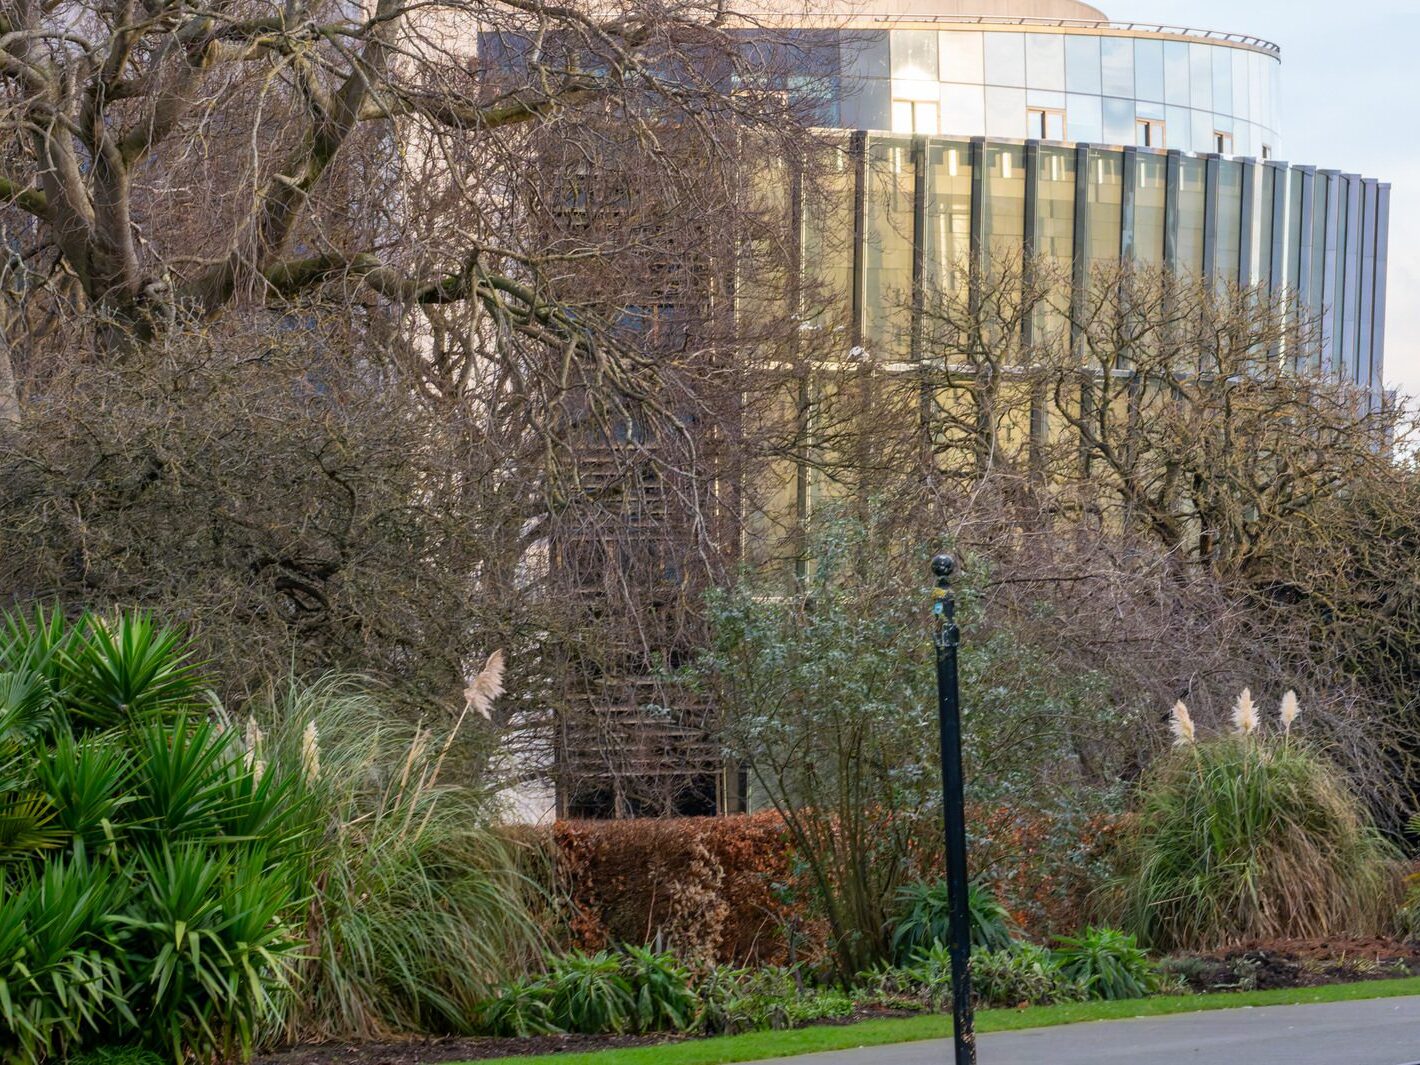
pixel 1375 1032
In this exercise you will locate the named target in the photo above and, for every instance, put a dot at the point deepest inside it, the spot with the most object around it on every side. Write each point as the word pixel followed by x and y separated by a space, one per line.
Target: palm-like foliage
pixel 925 919
pixel 1106 964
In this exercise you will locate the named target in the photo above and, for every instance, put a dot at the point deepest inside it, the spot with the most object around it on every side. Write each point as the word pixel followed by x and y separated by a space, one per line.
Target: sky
pixel 1350 94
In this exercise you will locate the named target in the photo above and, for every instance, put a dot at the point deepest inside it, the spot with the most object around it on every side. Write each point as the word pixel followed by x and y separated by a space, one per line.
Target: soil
pixel 1256 966
pixel 1265 965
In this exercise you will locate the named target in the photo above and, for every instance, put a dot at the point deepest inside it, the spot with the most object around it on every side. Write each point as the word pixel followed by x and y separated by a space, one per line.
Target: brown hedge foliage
pixel 705 887
pixel 726 890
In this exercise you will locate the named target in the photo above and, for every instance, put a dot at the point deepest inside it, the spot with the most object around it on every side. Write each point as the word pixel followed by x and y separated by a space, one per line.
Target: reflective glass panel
pixel 1117 66
pixel 964 109
pixel 1005 204
pixel 1200 75
pixel 1191 198
pixel 828 243
pixel 1005 59
pixel 1006 113
pixel 948 216
pixel 1241 106
pixel 1106 202
pixel 1176 68
pixel 914 54
pixel 1055 229
pixel 1118 121
pixel 1045 61
pixel 887 247
pixel 1229 233
pixel 1180 126
pixel 1148 70
pixel 1222 81
pixel 1266 198
pixel 960 56
pixel 1149 209
pixel 1084 118
pixel 1082 64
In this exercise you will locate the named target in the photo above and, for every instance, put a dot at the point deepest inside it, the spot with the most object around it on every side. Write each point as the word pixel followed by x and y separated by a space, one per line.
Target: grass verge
pixel 753 1046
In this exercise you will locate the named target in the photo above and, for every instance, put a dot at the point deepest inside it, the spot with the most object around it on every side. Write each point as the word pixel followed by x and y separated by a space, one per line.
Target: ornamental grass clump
pixel 1250 834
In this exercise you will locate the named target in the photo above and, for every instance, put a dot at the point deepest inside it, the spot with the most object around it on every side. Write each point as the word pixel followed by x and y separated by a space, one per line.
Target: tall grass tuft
pixel 1246 836
pixel 415 910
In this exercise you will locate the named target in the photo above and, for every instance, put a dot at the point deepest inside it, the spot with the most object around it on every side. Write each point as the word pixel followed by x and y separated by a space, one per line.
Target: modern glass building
pixel 1040 124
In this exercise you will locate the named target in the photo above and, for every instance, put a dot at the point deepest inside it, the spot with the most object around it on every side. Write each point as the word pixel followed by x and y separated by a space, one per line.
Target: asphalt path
pixel 1374 1032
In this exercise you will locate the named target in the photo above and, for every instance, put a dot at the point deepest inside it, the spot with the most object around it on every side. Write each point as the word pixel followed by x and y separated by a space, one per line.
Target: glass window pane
pixel 1005 203
pixel 1241 107
pixel 1148 70
pixel 1054 126
pixel 948 216
pixel 1006 113
pixel 1262 243
pixel 1149 209
pixel 1045 61
pixel 1176 69
pixel 964 109
pixel 1106 204
pixel 1203 138
pixel 960 56
pixel 1005 59
pixel 1117 66
pixel 887 246
pixel 1083 119
pixel 914 54
pixel 925 118
pixel 1118 121
pixel 828 242
pixel 1229 236
pixel 1055 230
pixel 1191 196
pixel 1200 72
pixel 1180 128
pixel 1222 81
pixel 902 116
pixel 1082 65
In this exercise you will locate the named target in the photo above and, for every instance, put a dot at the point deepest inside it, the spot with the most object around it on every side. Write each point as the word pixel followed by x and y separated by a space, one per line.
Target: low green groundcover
pixel 755 1046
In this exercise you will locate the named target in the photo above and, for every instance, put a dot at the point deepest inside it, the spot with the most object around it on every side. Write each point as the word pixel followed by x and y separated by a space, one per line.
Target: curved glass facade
pixel 1095 82
pixel 1064 85
pixel 1238 222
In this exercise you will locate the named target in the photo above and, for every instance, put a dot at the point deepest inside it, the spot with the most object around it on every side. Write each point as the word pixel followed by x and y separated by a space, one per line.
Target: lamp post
pixel 946 636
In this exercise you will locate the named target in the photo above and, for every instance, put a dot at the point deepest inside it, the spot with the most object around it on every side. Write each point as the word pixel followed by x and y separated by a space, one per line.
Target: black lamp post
pixel 946 637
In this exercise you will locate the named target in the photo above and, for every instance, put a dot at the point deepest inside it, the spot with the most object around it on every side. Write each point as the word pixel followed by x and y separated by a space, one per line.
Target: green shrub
pixel 1106 964
pixel 589 993
pixel 116 1055
pixel 169 884
pixel 1245 837
pixel 925 919
pixel 660 990
pixel 1024 974
pixel 519 1009
pixel 420 913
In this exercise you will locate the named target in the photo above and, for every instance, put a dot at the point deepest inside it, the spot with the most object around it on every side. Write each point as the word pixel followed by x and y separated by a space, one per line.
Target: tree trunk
pixel 9 390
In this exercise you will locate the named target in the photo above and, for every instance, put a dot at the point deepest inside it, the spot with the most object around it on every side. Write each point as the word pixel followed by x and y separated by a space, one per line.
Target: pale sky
pixel 1350 93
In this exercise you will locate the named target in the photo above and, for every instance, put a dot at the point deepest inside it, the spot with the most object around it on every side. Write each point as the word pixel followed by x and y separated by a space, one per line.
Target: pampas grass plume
pixel 1290 709
pixel 1181 724
pixel 1245 713
pixel 487 686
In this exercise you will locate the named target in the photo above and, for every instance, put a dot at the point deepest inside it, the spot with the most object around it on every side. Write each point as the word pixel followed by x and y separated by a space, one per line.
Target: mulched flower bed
pixel 1265 965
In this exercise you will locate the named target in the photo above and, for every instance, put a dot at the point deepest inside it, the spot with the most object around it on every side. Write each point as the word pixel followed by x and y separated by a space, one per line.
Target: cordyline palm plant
pixel 1250 834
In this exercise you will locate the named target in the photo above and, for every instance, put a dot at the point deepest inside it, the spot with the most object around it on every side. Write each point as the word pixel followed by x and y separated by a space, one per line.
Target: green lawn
pixel 755 1045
